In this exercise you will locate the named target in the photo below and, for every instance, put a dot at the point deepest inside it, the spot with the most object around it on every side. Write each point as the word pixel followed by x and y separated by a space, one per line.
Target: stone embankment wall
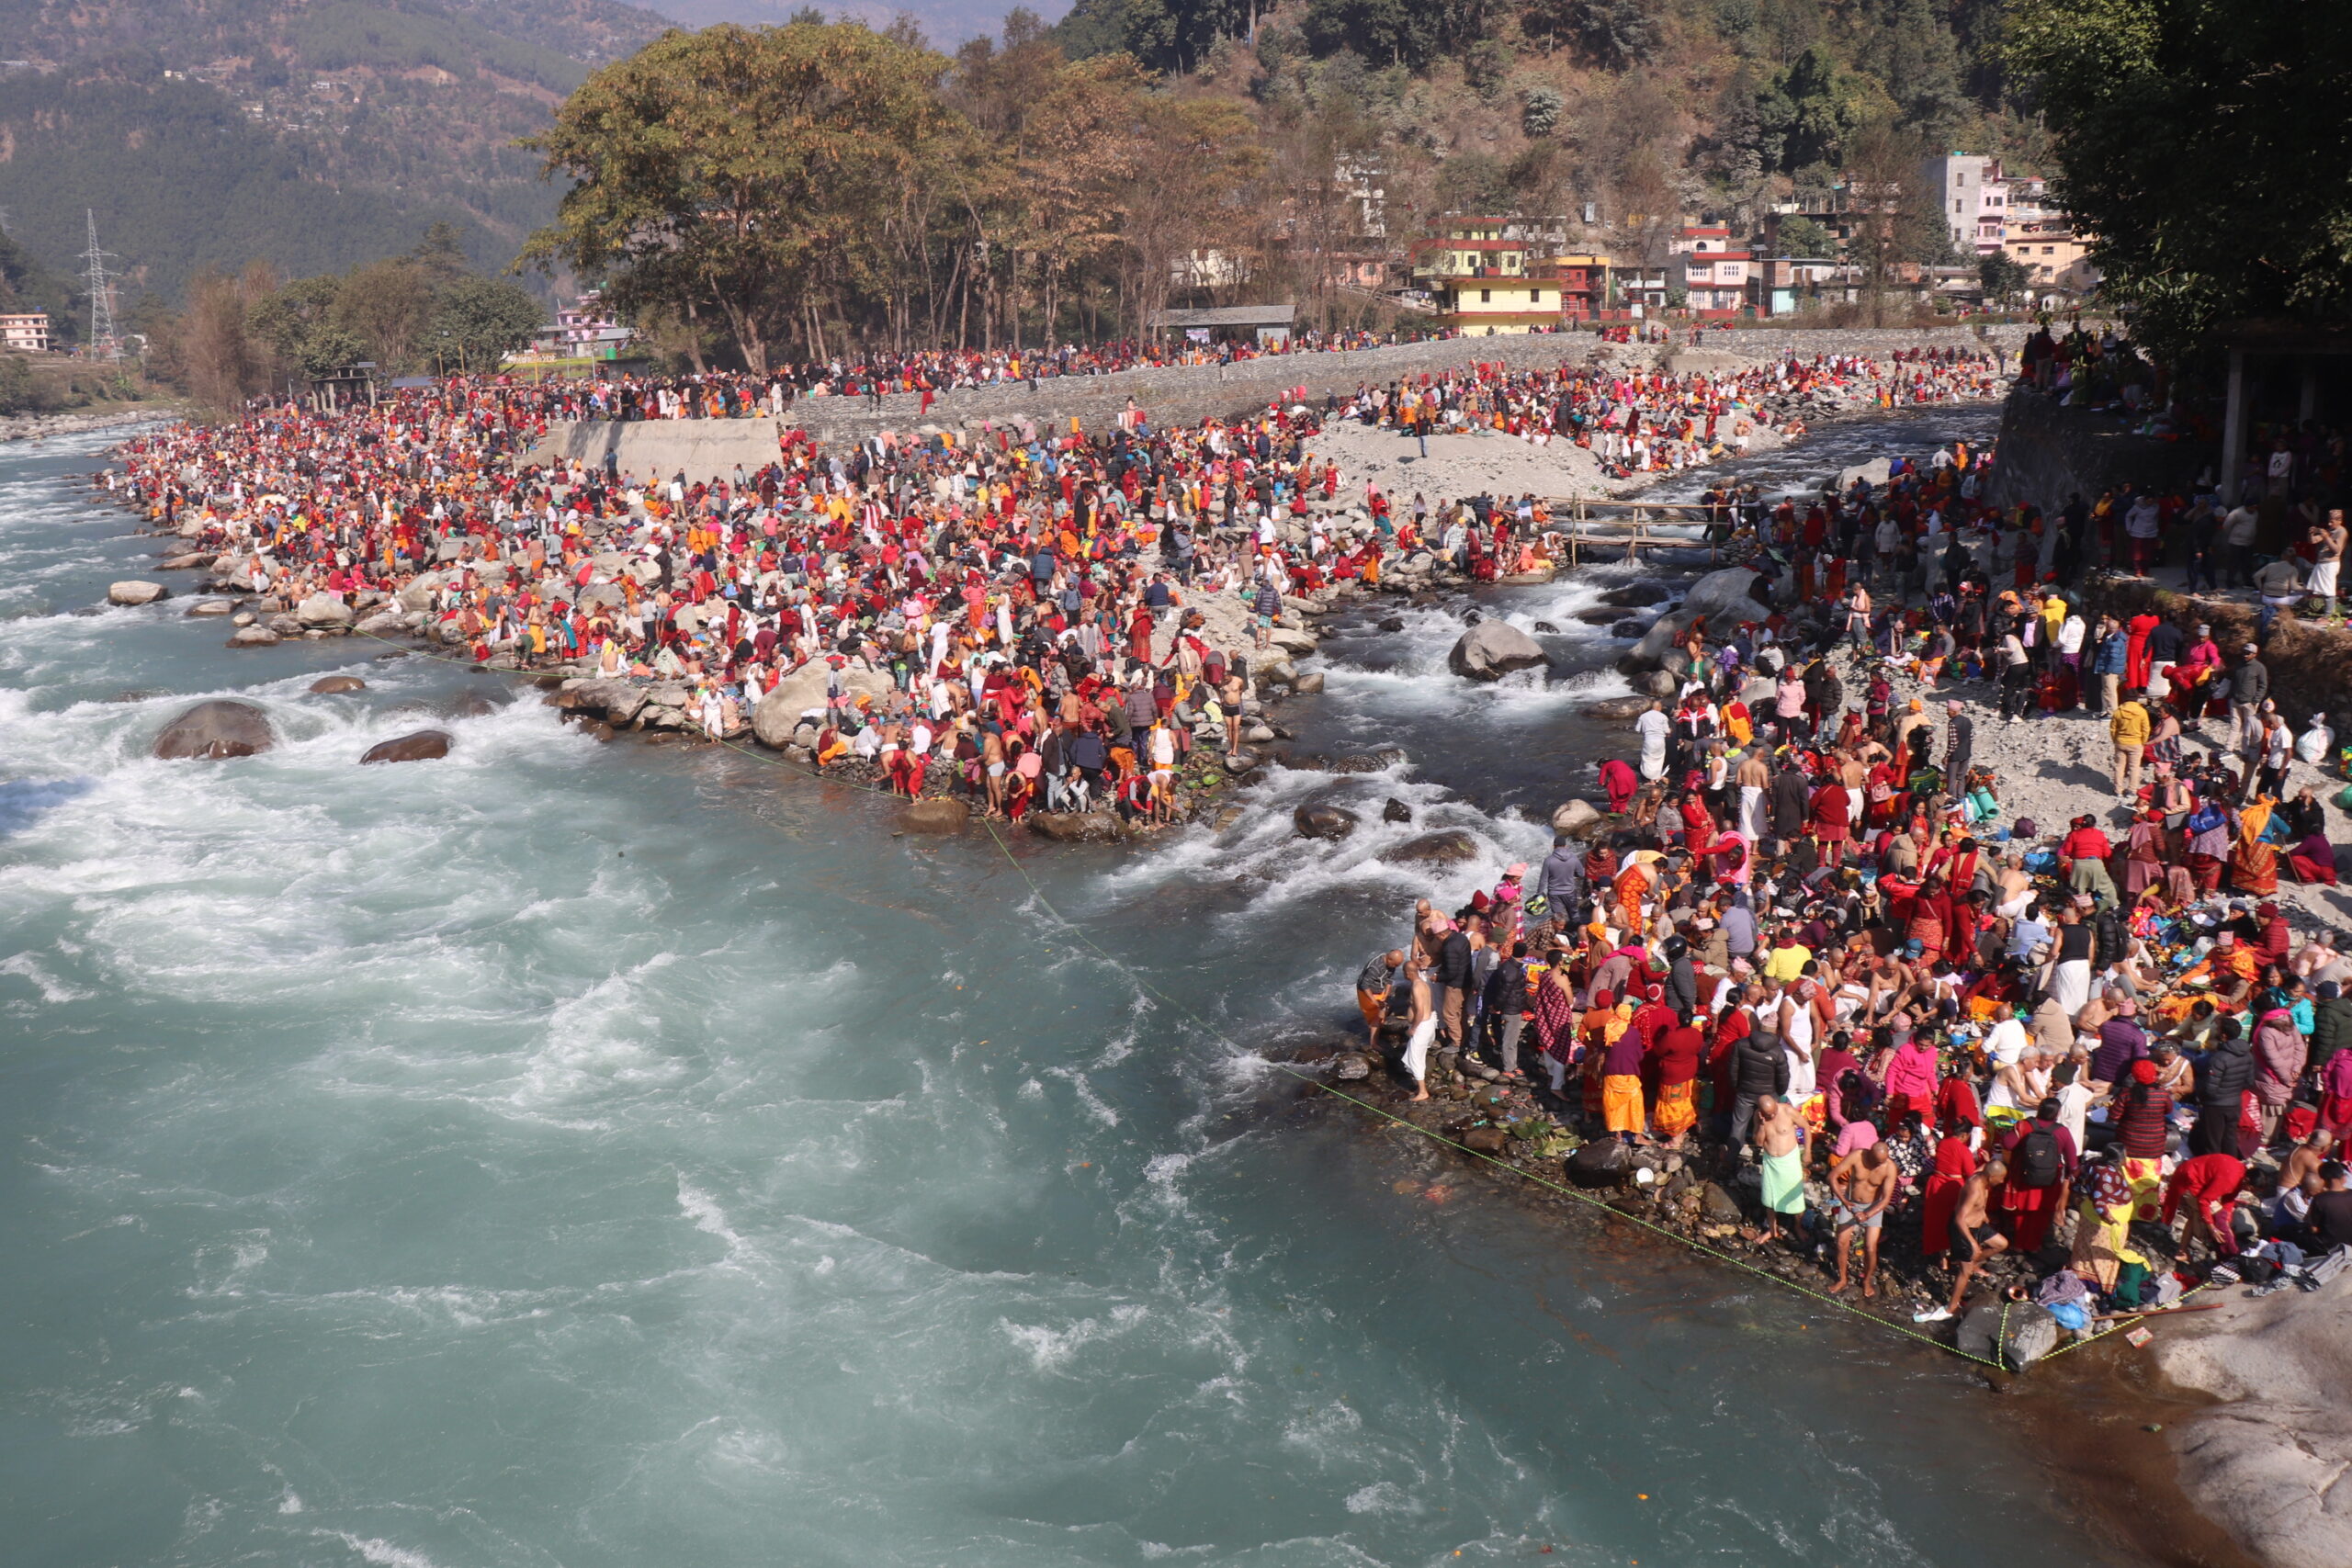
pixel 1182 394
pixel 2048 453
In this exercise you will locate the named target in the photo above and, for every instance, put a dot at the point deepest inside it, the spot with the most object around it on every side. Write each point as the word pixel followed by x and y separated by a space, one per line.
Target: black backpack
pixel 2035 1160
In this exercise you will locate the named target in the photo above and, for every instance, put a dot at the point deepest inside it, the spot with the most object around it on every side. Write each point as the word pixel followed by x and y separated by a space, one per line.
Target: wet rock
pixel 1076 827
pixel 935 816
pixel 183 563
pixel 1601 617
pixel 1369 761
pixel 471 705
pixel 618 701
pixel 773 719
pixel 1485 1140
pixel 1631 630
pixel 1718 1206
pixel 1241 761
pixel 1635 596
pixel 253 637
pixel 1660 683
pixel 323 609
pixel 1396 811
pixel 285 625
pixel 422 747
pixel 1618 707
pixel 210 607
pixel 1449 845
pixel 215 729
pixel 1602 1162
pixel 598 730
pixel 1308 684
pixel 1353 1068
pixel 1578 819
pixel 1492 649
pixel 136 593
pixel 333 686
pixel 1226 816
pixel 384 623
pixel 1258 734
pixel 1547 627
pixel 1315 821
pixel 1393 624
pixel 2023 1331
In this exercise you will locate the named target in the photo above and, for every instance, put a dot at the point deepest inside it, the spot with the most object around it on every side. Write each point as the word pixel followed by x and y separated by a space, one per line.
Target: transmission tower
pixel 104 339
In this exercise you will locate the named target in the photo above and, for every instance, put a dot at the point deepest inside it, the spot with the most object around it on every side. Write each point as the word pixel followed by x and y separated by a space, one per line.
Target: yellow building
pixel 1482 280
pixel 2053 255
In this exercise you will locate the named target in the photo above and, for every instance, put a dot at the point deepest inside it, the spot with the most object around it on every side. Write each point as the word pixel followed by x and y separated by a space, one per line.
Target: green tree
pixel 2208 147
pixel 477 321
pixel 2002 276
pixel 1803 236
pixel 750 171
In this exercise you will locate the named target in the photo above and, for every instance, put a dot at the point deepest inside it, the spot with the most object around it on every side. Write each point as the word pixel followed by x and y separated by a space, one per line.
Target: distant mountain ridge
pixel 312 136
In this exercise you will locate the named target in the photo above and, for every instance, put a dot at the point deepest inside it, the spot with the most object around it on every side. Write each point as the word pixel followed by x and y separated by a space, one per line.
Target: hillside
pixel 313 136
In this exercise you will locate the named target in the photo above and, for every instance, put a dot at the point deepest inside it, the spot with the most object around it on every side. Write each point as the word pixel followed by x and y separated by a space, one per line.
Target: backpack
pixel 2036 1157
pixel 2205 818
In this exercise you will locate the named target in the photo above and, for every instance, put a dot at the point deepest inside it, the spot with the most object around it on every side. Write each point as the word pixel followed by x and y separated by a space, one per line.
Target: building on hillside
pixel 1714 271
pixel 1789 285
pixel 25 332
pixel 1477 274
pixel 1582 278
pixel 2056 259
pixel 1974 196
pixel 1641 291
pixel 582 330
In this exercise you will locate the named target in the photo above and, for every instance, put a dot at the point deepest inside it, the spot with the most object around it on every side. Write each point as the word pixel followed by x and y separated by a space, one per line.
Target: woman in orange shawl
pixel 2254 865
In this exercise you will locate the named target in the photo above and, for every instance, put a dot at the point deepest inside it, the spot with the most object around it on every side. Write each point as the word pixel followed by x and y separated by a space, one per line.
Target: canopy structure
pixel 1268 321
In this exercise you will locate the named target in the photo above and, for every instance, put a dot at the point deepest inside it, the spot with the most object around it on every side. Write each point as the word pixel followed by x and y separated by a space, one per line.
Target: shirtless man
pixel 992 765
pixel 1973 1239
pixel 1423 1017
pixel 1783 1169
pixel 2306 1158
pixel 1863 1184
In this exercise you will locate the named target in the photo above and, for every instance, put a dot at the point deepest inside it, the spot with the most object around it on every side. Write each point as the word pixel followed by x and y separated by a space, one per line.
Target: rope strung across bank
pixel 1143 984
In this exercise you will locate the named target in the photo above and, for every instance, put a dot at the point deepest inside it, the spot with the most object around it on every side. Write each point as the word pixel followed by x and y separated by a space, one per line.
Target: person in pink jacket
pixel 2279 1053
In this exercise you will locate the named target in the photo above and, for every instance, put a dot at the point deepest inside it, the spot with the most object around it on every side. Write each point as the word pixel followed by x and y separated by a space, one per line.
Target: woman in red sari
pixel 1955 1163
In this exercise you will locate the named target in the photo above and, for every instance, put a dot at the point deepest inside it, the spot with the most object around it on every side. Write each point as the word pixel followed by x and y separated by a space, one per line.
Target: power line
pixel 104 338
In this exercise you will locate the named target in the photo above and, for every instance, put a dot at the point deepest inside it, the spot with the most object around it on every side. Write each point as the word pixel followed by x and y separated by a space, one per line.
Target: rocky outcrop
pixel 935 816
pixel 1378 762
pixel 335 686
pixel 2271 1463
pixel 1317 822
pixel 136 593
pixel 423 746
pixel 216 729
pixel 1444 847
pixel 323 610
pixel 1578 819
pixel 1492 649
pixel 1076 827
pixel 1731 590
pixel 804 689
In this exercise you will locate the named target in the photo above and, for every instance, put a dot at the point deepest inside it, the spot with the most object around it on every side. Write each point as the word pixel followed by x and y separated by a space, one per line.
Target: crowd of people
pixel 1809 937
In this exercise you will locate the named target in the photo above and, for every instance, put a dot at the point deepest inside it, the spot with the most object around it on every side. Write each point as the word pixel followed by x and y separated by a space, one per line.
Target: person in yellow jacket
pixel 2129 728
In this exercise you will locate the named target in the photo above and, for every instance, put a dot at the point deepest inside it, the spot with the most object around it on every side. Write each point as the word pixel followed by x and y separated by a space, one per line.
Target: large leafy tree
pixel 2207 145
pixel 748 171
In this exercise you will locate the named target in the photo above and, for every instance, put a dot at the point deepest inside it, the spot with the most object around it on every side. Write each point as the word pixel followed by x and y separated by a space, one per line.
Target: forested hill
pixel 313 136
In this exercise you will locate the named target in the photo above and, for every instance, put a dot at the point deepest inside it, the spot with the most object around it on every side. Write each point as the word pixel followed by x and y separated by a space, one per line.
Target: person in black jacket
pixel 1758 1067
pixel 2222 1078
pixel 1506 1001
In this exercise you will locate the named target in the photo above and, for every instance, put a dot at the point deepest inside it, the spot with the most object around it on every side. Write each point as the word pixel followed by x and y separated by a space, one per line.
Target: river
pixel 585 1155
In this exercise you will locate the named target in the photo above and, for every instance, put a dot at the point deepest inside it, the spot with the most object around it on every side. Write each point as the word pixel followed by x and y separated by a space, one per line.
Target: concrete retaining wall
pixel 1176 395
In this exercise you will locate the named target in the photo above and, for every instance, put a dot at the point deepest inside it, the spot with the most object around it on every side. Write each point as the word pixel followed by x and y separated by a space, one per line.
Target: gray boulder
pixel 136 593
pixel 335 686
pixel 1492 649
pixel 215 729
pixel 253 637
pixel 1315 821
pixel 1386 757
pixel 1618 707
pixel 1308 684
pixel 773 718
pixel 212 607
pixel 619 701
pixel 1712 596
pixel 1578 819
pixel 2016 1333
pixel 1445 847
pixel 1076 827
pixel 421 747
pixel 935 816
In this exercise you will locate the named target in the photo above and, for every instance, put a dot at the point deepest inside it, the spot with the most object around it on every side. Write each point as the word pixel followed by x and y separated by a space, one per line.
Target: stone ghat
pixel 706 449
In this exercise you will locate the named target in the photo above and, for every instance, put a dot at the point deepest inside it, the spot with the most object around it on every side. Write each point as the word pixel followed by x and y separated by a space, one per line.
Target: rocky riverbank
pixel 40 427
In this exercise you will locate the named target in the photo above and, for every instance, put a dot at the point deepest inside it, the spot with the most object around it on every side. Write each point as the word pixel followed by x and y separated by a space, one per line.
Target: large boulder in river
pixel 136 593
pixel 619 701
pixel 1578 819
pixel 802 690
pixel 1636 595
pixel 214 729
pixel 1492 649
pixel 253 637
pixel 323 609
pixel 1727 592
pixel 1619 707
pixel 1076 827
pixel 935 816
pixel 1315 821
pixel 422 747
pixel 1448 845
pixel 335 686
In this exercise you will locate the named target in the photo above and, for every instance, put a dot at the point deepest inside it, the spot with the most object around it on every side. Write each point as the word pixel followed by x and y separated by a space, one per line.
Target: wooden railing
pixel 1594 525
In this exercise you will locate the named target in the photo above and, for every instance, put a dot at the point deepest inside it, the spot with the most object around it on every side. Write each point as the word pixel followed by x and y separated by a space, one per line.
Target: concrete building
pixel 582 330
pixel 1974 196
pixel 1477 272
pixel 25 332
pixel 1583 280
pixel 2056 258
pixel 1715 269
